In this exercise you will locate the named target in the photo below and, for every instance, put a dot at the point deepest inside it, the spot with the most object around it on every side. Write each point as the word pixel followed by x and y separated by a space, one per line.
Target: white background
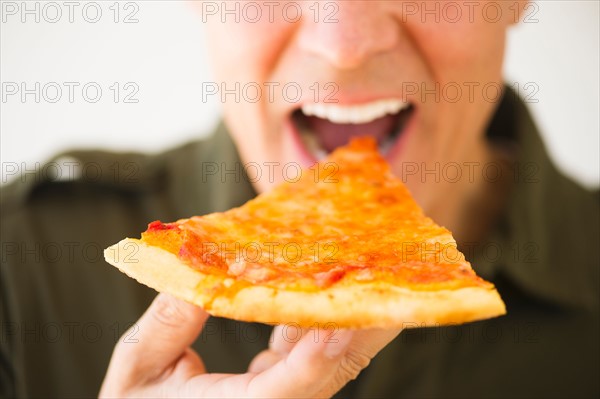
pixel 163 54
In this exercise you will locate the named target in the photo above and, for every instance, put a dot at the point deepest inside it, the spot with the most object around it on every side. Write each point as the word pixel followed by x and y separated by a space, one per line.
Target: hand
pixel 162 364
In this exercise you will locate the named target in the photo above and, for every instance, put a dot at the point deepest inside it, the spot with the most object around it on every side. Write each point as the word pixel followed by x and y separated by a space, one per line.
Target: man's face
pixel 420 77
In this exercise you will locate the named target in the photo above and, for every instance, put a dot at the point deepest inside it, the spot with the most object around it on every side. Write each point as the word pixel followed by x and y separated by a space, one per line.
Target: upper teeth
pixel 356 114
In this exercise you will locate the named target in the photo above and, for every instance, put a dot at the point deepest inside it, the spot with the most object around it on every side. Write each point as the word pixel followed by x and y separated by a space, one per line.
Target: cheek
pixel 462 45
pixel 245 52
pixel 241 54
pixel 245 55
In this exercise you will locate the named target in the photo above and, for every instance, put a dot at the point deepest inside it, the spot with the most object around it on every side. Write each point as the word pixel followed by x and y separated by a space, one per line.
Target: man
pixel 423 86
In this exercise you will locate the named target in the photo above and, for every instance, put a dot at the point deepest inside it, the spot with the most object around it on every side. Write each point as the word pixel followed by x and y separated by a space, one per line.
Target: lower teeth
pixel 385 146
pixel 312 144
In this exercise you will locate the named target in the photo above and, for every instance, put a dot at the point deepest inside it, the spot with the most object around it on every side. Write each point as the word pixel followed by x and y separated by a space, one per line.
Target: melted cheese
pixel 347 220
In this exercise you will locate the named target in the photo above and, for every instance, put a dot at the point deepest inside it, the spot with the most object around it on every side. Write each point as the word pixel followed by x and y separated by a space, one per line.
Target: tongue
pixel 332 135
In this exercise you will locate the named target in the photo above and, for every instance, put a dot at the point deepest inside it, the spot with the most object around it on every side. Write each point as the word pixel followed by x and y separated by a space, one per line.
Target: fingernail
pixel 338 343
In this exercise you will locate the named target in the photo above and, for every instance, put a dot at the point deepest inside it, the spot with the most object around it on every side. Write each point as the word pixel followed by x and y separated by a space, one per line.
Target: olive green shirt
pixel 63 307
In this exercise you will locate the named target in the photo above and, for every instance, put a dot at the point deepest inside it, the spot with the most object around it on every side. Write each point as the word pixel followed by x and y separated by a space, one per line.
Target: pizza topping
pixel 330 277
pixel 364 275
pixel 313 265
pixel 363 227
pixel 250 272
pixel 158 225
pixel 256 273
pixel 236 268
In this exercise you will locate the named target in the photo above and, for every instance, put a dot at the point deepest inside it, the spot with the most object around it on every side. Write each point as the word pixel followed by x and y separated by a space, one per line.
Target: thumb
pixel 162 334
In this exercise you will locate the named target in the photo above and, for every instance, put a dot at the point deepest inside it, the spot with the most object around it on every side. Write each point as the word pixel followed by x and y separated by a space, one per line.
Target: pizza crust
pixel 351 305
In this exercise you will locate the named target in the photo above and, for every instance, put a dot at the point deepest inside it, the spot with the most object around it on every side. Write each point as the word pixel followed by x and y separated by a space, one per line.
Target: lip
pixel 410 125
pixel 308 159
pixel 290 130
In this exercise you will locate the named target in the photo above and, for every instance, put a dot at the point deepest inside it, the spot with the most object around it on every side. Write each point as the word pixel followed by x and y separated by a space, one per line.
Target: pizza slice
pixel 344 244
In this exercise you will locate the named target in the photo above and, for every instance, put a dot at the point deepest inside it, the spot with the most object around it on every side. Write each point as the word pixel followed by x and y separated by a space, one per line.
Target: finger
pixel 161 336
pixel 370 342
pixel 285 336
pixel 283 339
pixel 188 365
pixel 364 346
pixel 264 360
pixel 307 369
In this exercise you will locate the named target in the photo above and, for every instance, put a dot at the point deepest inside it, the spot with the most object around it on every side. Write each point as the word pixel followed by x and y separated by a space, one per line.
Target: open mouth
pixel 324 127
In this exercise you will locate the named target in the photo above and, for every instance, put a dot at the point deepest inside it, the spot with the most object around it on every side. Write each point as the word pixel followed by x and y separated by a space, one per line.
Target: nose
pixel 348 33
